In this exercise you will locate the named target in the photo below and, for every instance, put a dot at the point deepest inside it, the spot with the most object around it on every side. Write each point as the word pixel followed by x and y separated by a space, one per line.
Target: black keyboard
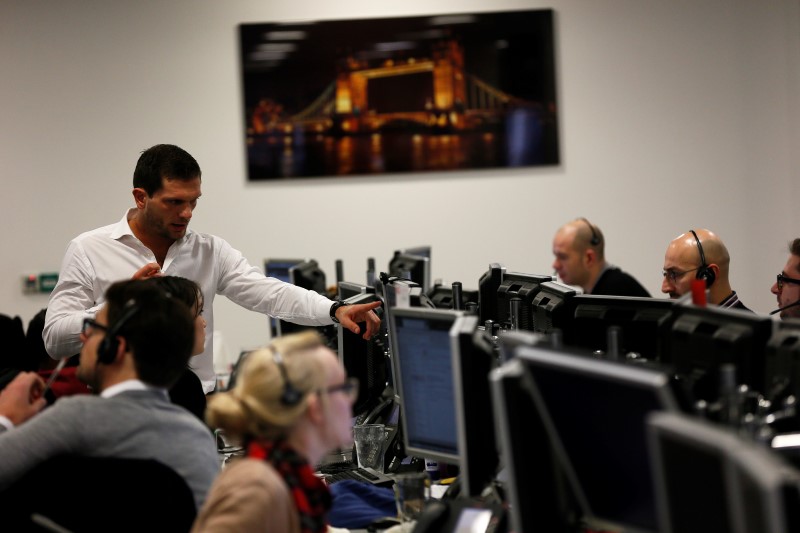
pixel 363 475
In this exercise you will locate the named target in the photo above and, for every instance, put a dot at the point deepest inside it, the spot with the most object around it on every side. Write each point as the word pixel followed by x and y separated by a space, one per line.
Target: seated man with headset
pixel 699 254
pixel 133 351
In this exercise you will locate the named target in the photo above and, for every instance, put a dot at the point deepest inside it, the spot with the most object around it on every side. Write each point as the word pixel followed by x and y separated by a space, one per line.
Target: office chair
pixel 93 494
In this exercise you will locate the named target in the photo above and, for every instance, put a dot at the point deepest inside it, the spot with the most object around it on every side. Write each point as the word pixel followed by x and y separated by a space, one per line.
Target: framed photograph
pixel 412 94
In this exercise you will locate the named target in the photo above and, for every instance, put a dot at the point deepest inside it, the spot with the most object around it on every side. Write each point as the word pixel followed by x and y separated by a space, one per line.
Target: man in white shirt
pixel 153 239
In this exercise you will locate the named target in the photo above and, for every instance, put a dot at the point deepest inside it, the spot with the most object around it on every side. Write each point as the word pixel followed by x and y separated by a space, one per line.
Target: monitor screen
pixel 524 287
pixel 416 268
pixel 423 377
pixel 477 448
pixel 552 306
pixel 365 360
pixel 704 339
pixel 595 412
pixel 537 492
pixel 644 324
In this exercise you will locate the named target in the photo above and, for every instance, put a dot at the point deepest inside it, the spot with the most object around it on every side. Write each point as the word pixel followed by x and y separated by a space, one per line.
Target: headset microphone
pixel 778 310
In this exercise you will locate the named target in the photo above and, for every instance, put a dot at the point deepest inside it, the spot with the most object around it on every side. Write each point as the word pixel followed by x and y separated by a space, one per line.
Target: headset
pixel 704 272
pixel 107 349
pixel 290 396
pixel 595 240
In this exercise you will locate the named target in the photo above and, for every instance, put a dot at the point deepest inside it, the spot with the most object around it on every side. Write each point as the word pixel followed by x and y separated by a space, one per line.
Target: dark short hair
pixel 160 333
pixel 163 161
pixel 185 290
pixel 794 247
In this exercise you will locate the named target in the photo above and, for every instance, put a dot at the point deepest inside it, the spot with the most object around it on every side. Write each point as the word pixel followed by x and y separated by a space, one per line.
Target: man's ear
pixel 140 197
pixel 590 256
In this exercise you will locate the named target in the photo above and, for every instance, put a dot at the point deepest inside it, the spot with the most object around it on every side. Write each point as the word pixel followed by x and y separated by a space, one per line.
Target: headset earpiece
pixel 595 240
pixel 107 349
pixel 704 272
pixel 290 396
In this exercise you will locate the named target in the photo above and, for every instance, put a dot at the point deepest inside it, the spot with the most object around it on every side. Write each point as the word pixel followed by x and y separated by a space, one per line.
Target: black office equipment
pixel 421 353
pixel 644 324
pixel 536 489
pixel 706 338
pixel 782 361
pixel 304 273
pixel 477 447
pixel 411 266
pixel 708 479
pixel 552 306
pixel 488 284
pixel 444 297
pixel 595 413
pixel 348 289
pixel 524 288
pixel 365 360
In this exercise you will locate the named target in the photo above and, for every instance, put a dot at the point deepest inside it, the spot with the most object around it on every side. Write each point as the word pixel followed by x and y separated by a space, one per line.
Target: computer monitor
pixel 347 289
pixel 423 251
pixel 309 275
pixel 644 324
pixel 279 269
pixel 594 412
pixel 704 339
pixel 552 306
pixel 782 361
pixel 488 284
pixel 416 268
pixel 689 472
pixel 477 448
pixel 442 297
pixel 708 478
pixel 535 485
pixel 423 370
pixel 365 360
pixel 524 287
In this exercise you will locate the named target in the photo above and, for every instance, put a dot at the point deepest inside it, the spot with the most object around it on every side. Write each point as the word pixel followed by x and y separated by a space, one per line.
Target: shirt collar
pixel 130 384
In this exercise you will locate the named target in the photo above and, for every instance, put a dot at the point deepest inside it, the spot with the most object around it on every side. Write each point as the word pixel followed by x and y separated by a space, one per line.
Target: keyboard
pixel 334 474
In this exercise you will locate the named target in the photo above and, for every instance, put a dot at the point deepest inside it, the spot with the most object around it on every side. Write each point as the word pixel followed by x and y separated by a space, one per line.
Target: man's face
pixel 91 339
pixel 789 292
pixel 167 213
pixel 569 263
pixel 680 266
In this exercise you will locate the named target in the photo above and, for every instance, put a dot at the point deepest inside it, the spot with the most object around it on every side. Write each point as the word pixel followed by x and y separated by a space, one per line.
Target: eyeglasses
pixel 90 325
pixel 349 387
pixel 674 275
pixel 786 279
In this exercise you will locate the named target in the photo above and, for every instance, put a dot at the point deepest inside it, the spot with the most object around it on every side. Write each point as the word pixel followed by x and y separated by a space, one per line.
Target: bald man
pixel 579 250
pixel 699 254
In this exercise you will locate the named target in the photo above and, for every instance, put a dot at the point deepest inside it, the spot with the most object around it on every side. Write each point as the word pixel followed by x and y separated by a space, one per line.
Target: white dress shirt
pixel 96 259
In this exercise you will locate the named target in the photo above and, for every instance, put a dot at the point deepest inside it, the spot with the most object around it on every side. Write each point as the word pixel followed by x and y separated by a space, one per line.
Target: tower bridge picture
pixel 394 95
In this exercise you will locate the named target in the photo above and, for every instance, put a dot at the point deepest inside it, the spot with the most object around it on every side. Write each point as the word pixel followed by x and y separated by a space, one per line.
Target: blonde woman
pixel 290 406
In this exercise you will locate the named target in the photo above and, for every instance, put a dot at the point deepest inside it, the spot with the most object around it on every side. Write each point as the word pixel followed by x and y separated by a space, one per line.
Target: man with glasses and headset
pixel 787 286
pixel 699 254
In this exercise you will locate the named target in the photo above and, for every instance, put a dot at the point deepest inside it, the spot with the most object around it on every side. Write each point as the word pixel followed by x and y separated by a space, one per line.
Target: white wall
pixel 674 115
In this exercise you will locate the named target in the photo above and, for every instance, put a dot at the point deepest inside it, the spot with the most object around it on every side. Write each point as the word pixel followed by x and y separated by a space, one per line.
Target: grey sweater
pixel 140 424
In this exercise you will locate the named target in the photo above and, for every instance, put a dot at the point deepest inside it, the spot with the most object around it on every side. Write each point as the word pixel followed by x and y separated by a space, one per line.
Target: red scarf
pixel 311 495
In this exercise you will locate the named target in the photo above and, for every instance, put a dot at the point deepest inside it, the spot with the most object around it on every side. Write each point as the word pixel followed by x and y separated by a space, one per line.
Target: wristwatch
pixel 336 305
